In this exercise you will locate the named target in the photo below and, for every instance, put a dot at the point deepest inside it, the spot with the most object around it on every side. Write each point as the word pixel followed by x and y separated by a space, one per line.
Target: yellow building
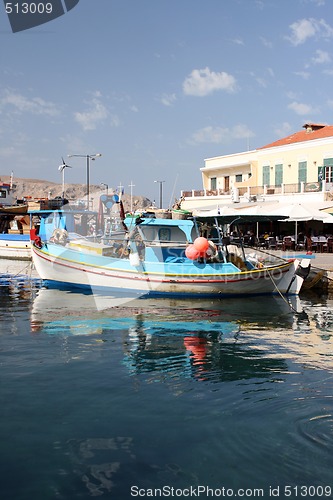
pixel 300 165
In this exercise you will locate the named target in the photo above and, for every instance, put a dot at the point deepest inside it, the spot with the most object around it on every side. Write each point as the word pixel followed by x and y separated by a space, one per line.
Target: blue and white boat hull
pixel 15 246
pixel 72 267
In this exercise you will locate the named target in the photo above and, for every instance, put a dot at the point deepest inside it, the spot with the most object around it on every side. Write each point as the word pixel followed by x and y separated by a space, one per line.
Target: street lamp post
pixel 161 192
pixel 88 158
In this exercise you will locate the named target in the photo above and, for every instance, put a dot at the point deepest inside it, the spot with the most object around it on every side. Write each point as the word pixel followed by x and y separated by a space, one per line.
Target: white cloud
pixel 115 121
pixel 300 108
pixel 22 104
pixel 210 134
pixel 202 82
pixel 319 3
pixel 301 31
pixel 303 74
pixel 168 99
pixel 219 135
pixel 271 73
pixel 237 41
pixel 304 29
pixel 265 42
pixel 321 57
pixel 284 130
pixel 96 113
pixel 261 82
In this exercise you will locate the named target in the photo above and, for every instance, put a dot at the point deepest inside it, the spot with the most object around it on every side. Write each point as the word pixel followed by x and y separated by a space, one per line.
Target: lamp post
pixel 161 192
pixel 88 158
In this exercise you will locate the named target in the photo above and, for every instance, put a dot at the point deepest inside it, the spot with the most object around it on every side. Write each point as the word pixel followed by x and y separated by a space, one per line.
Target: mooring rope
pixel 281 294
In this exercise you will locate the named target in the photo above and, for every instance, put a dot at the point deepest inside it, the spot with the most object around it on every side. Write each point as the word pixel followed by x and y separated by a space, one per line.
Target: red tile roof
pixel 311 132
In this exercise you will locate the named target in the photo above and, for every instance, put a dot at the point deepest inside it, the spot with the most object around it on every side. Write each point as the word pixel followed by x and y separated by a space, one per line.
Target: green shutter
pixel 302 173
pixel 266 175
pixel 320 173
pixel 278 175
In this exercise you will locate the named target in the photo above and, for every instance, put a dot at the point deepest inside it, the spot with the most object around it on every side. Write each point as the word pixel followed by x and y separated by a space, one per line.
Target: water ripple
pixel 317 430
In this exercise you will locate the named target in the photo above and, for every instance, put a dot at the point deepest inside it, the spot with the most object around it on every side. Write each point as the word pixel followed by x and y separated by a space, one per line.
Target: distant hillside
pixel 37 188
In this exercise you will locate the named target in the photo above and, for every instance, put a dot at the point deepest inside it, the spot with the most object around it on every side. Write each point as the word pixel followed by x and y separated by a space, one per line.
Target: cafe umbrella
pixel 296 212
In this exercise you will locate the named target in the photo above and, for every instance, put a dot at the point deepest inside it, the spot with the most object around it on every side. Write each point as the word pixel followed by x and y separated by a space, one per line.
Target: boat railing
pixel 154 243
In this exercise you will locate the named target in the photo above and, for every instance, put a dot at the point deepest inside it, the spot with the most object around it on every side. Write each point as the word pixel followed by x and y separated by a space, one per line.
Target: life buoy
pixel 55 236
pixel 59 236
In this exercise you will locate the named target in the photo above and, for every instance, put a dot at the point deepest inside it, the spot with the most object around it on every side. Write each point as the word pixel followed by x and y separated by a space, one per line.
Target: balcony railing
pixel 301 187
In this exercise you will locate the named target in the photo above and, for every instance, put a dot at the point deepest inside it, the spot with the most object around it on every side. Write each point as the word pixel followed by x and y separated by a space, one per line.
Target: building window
pixel 329 173
pixel 278 175
pixel 328 169
pixel 239 178
pixel 213 183
pixel 266 175
pixel 302 173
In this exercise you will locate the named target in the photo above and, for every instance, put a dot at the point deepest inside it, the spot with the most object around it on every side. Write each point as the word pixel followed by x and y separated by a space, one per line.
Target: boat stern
pixel 292 281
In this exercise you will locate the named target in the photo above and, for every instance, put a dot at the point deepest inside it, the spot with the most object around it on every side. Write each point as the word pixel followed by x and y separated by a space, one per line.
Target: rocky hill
pixel 36 188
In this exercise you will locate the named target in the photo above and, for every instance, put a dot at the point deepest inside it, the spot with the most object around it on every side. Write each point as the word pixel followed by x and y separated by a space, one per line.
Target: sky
pixel 158 86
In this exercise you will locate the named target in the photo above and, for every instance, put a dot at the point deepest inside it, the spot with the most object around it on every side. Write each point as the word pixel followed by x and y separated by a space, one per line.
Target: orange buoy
pixel 191 252
pixel 201 244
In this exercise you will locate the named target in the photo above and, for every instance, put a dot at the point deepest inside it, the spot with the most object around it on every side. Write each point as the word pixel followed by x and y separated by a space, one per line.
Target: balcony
pixel 318 191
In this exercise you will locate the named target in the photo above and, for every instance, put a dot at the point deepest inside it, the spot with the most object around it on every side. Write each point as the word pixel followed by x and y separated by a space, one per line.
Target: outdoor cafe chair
pixel 288 243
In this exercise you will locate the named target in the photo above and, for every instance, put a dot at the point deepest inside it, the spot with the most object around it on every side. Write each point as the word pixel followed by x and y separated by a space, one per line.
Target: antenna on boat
pixel 120 190
pixel 173 191
pixel 131 187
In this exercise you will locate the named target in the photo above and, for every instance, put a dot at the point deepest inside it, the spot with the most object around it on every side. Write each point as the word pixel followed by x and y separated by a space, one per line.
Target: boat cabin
pixel 159 240
pixel 6 198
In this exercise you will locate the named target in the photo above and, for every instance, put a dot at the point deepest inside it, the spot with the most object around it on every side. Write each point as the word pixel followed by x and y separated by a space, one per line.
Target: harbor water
pixel 158 398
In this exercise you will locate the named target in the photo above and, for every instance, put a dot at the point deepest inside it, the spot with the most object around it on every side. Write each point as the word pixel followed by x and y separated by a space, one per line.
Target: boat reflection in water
pixel 157 391
pixel 210 340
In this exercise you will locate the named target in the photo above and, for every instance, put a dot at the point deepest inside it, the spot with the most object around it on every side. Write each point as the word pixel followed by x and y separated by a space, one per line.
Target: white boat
pixel 15 246
pixel 156 257
pixel 15 224
pixel 14 239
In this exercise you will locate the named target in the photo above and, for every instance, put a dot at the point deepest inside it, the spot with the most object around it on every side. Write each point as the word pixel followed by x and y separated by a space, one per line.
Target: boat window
pixel 164 234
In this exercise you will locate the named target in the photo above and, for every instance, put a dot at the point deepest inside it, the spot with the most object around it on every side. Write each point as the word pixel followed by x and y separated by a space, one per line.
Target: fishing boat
pixel 151 256
pixel 15 246
pixel 14 239
pixel 15 223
